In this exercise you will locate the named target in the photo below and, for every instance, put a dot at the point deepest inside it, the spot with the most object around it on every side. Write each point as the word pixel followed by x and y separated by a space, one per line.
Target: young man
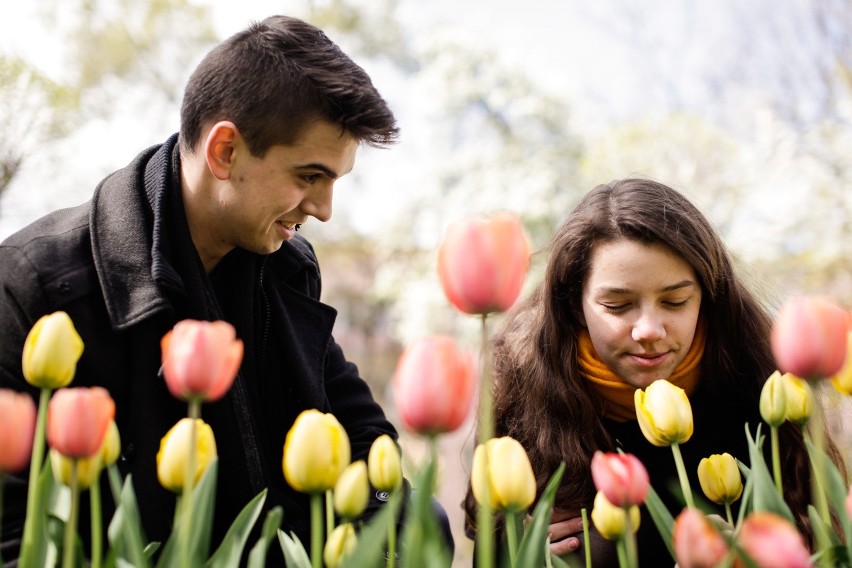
pixel 204 227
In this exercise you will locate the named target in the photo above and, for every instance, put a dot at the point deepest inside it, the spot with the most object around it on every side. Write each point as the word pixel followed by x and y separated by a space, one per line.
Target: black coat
pixel 123 267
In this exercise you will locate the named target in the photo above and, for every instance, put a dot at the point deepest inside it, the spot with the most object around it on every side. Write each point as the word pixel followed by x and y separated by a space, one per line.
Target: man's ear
pixel 219 148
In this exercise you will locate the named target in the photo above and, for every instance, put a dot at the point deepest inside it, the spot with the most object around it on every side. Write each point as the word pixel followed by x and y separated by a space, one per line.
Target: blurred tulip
pixel 111 448
pixel 17 429
pixel 88 469
pixel 848 503
pixel 201 359
pixel 611 520
pixel 51 352
pixel 622 478
pixel 352 491
pixel 384 464
pixel 316 451
pixel 799 399
pixel 696 542
pixel 340 544
pixel 78 419
pixel 482 263
pixel 770 540
pixel 773 402
pixel 720 479
pixel 843 379
pixel 502 465
pixel 664 413
pixel 174 452
pixel 809 337
pixel 433 385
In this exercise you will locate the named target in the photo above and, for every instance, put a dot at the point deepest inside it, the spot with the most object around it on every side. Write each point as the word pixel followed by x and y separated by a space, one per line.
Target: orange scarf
pixel 616 394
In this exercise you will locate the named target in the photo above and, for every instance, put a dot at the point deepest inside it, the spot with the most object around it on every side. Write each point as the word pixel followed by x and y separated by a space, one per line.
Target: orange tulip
pixel 78 419
pixel 809 337
pixel 433 385
pixel 201 359
pixel 482 263
pixel 697 544
pixel 622 478
pixel 17 428
pixel 770 540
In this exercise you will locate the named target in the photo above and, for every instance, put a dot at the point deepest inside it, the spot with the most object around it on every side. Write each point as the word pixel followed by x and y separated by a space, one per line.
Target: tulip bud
pixel 773 400
pixel 78 419
pixel 809 337
pixel 501 467
pixel 696 542
pixel 352 490
pixel 770 540
pixel 111 448
pixel 17 429
pixel 316 451
pixel 51 352
pixel 433 385
pixel 175 447
pixel 611 520
pixel 720 479
pixel 88 469
pixel 799 398
pixel 384 465
pixel 843 379
pixel 340 544
pixel 482 263
pixel 201 359
pixel 622 478
pixel 664 413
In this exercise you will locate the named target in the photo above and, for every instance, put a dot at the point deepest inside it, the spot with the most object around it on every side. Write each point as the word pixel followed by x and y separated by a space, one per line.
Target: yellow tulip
pixel 174 453
pixel 842 381
pixel 352 490
pixel 773 400
pixel 800 399
pixel 88 469
pixel 111 448
pixel 384 464
pixel 664 413
pixel 720 479
pixel 502 465
pixel 51 352
pixel 316 451
pixel 610 520
pixel 340 544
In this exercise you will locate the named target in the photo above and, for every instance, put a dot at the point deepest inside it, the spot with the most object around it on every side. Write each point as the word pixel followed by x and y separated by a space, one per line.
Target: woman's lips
pixel 650 360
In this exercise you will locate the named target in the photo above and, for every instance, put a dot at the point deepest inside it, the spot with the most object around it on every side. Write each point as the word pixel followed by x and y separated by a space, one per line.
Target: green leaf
pixel 765 496
pixel 372 538
pixel 422 542
pixel 662 518
pixel 567 562
pixel 294 551
pixel 125 529
pixel 257 556
pixel 835 490
pixel 533 547
pixel 231 549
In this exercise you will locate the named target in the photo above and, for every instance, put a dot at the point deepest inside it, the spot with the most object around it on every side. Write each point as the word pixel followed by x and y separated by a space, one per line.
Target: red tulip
pixel 697 544
pixel 482 263
pixel 770 540
pixel 809 337
pixel 201 359
pixel 620 477
pixel 433 385
pixel 17 429
pixel 78 419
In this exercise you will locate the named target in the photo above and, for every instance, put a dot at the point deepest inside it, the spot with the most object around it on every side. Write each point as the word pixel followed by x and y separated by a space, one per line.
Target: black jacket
pixel 123 267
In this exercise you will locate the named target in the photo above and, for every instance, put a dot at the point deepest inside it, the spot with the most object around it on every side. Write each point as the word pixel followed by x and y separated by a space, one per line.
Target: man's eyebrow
pixel 321 167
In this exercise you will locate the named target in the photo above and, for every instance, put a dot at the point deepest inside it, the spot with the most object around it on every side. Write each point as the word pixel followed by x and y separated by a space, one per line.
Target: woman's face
pixel 640 305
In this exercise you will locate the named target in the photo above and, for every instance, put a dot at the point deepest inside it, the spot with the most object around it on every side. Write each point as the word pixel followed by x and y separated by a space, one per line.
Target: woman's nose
pixel 649 327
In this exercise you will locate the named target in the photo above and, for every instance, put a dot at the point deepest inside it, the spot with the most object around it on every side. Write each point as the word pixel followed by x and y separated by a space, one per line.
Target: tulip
pixel 201 359
pixel 111 449
pixel 809 337
pixel 697 543
pixel 434 385
pixel 773 400
pixel 384 464
pixel 352 490
pixel 17 428
pixel 502 470
pixel 175 449
pixel 341 542
pixel 720 479
pixel 622 478
pixel 611 520
pixel 88 469
pixel 51 352
pixel 482 263
pixel 799 399
pixel 770 540
pixel 664 413
pixel 848 503
pixel 842 381
pixel 78 420
pixel 316 451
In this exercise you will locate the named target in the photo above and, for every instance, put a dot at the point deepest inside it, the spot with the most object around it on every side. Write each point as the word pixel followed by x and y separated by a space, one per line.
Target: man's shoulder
pixel 59 233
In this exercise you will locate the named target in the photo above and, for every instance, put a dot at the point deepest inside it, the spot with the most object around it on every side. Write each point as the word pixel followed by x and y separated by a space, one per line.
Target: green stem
pixel 728 514
pixel 622 553
pixel 392 544
pixel 776 460
pixel 97 523
pixel 189 481
pixel 586 542
pixel 329 513
pixel 484 518
pixel 34 510
pixel 630 540
pixel 818 485
pixel 114 483
pixel 316 530
pixel 68 552
pixel 681 473
pixel 512 537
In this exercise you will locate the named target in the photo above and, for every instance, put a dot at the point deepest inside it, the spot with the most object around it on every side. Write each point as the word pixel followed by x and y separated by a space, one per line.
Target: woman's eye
pixel 676 304
pixel 615 308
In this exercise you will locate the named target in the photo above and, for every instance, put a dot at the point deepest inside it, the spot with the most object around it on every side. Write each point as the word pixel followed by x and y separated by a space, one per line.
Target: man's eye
pixel 311 178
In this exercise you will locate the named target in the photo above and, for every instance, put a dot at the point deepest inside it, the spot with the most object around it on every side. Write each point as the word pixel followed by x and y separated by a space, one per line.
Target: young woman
pixel 638 287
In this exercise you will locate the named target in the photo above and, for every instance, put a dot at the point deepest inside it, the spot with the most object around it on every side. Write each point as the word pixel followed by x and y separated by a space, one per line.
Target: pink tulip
pixel 848 503
pixel 697 544
pixel 482 263
pixel 809 337
pixel 620 477
pixel 770 540
pixel 433 385
pixel 17 429
pixel 78 419
pixel 201 359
